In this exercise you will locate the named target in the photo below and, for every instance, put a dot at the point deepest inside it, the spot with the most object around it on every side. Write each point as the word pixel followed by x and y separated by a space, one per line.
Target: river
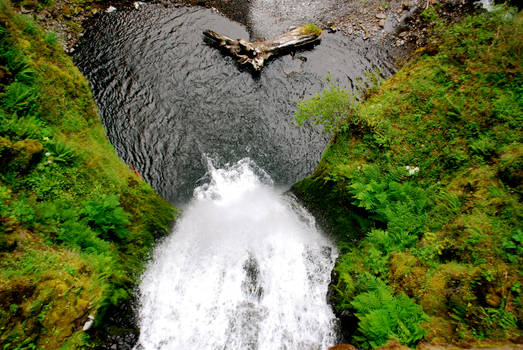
pixel 245 267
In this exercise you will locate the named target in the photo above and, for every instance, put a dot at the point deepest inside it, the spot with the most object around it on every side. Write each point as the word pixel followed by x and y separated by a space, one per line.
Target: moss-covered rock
pixel 19 156
pixel 76 225
pixel 510 166
pixel 425 195
pixel 26 154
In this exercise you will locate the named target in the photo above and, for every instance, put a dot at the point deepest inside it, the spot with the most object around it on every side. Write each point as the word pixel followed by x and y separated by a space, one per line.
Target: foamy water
pixel 244 268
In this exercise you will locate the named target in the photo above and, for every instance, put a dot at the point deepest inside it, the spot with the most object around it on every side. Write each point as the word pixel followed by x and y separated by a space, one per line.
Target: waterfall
pixel 244 268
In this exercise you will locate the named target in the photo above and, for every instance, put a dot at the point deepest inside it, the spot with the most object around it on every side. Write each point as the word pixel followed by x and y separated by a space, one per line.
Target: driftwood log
pixel 257 52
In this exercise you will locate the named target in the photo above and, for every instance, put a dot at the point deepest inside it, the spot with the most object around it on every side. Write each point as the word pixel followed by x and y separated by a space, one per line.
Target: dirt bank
pixel 398 24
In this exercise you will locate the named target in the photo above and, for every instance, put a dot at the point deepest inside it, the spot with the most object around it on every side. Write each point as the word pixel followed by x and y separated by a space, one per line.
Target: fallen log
pixel 257 52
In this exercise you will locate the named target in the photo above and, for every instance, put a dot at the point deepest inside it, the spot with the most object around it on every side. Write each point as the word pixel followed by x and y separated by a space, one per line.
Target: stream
pixel 246 266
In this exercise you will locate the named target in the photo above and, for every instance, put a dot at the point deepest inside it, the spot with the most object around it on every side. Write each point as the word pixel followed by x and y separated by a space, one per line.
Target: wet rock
pixel 343 347
pixel 510 167
pixel 390 25
pixel 404 20
pixel 348 322
pixel 393 345
pixel 16 291
pixel 44 15
pixel 8 238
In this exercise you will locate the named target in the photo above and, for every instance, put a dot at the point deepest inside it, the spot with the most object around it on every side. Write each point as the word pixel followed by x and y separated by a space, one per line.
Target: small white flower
pixel 137 4
pixel 359 167
pixel 47 154
pixel 407 167
pixel 412 171
pixel 49 161
pixel 110 9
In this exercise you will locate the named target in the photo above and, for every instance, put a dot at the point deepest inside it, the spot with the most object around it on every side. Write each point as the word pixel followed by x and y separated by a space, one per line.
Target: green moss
pixel 310 29
pixel 76 225
pixel 433 169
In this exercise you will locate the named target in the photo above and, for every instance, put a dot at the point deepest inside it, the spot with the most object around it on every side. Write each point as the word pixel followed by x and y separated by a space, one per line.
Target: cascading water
pixel 245 268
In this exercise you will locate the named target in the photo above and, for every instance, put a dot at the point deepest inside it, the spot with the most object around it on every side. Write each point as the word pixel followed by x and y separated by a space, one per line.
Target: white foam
pixel 245 268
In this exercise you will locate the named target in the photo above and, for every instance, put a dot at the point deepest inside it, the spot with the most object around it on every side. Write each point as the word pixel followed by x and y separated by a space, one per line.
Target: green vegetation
pixel 76 224
pixel 63 11
pixel 421 187
pixel 383 316
pixel 327 108
pixel 310 28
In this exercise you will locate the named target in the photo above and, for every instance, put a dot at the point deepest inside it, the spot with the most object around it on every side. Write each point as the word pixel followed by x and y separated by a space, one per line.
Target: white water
pixel 245 268
pixel 487 4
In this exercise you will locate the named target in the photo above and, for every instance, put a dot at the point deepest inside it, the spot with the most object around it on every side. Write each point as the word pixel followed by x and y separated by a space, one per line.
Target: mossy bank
pixel 421 186
pixel 76 225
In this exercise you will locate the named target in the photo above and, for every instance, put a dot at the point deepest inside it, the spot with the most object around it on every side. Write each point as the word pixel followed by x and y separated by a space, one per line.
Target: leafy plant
pixel 51 38
pixel 484 146
pixel 384 316
pixel 19 99
pixel 402 206
pixel 494 319
pixel 435 176
pixel 61 152
pixel 64 226
pixel 329 108
pixel 26 76
pixel 513 246
pixel 29 127
pixel 107 217
pixel 78 234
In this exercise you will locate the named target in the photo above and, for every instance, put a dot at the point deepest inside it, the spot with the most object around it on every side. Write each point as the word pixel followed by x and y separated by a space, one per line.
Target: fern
pixel 78 234
pixel 19 99
pixel 403 206
pixel 107 217
pixel 384 316
pixel 61 152
pixel 29 127
pixel 26 76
